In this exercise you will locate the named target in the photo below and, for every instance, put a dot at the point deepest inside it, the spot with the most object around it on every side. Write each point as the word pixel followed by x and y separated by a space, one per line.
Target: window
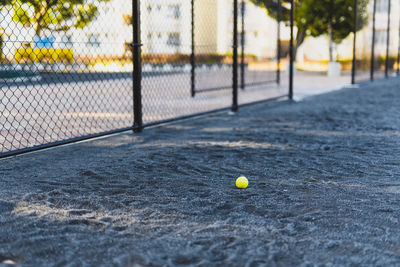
pixel 174 12
pixel 174 39
pixel 380 37
pixel 67 41
pixel 149 36
pixel 242 9
pixel 158 8
pixel 240 38
pixel 382 6
pixel 149 8
pixel 93 40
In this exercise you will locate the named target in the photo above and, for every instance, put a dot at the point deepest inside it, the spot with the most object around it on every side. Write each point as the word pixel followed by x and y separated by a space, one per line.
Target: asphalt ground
pixel 323 190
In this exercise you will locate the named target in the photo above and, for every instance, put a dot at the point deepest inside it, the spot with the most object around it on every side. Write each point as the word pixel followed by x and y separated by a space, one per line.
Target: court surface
pixel 323 189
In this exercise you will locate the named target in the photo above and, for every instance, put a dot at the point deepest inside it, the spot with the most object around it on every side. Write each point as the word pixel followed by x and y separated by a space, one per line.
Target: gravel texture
pixel 324 189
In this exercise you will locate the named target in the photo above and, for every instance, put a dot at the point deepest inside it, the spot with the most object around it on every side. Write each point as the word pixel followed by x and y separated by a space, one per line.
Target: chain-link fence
pixel 394 34
pixel 377 39
pixel 191 66
pixel 380 42
pixel 72 70
pixel 67 67
pixel 260 52
pixel 65 71
pixel 363 40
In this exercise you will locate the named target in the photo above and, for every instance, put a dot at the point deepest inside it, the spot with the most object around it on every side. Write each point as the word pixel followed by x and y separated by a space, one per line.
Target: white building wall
pixel 213 28
pixel 224 28
pixel 160 24
pixel 107 35
pixel 261 32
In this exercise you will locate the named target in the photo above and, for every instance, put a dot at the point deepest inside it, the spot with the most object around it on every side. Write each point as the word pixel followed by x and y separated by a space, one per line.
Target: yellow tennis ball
pixel 242 182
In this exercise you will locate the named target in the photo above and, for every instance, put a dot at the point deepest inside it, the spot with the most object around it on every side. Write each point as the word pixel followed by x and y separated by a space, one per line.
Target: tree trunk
pixel 38 29
pixel 330 43
pixel 330 31
pixel 300 36
pixel 1 46
pixel 39 16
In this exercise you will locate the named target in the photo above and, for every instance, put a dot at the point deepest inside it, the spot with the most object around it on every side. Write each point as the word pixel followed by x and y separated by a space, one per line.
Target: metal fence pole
pixel 137 67
pixel 278 61
pixel 330 31
pixel 235 58
pixel 242 43
pixel 387 42
pixel 291 50
pixel 398 53
pixel 373 43
pixel 192 57
pixel 353 67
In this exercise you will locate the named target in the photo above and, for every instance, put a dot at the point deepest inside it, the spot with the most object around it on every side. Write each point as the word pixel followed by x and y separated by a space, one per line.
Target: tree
pixel 1 46
pixel 318 17
pixel 54 15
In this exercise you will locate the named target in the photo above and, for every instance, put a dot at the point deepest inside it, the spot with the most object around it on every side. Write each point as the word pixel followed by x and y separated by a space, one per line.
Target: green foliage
pixel 312 16
pixel 5 2
pixel 54 15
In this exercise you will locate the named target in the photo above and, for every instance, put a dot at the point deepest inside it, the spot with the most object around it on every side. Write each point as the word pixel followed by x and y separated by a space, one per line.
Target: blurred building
pixel 106 35
pixel 166 29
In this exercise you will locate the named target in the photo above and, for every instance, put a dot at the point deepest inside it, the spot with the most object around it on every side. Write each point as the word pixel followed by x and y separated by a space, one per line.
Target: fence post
pixel 398 53
pixel 353 67
pixel 192 58
pixel 242 43
pixel 373 44
pixel 291 50
pixel 278 52
pixel 137 67
pixel 235 57
pixel 387 42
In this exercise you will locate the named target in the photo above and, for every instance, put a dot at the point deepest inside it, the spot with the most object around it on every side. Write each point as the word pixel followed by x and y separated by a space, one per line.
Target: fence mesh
pixel 166 45
pixel 167 30
pixel 393 37
pixel 381 38
pixel 213 31
pixel 258 43
pixel 258 40
pixel 364 40
pixel 398 43
pixel 188 60
pixel 65 71
pixel 377 40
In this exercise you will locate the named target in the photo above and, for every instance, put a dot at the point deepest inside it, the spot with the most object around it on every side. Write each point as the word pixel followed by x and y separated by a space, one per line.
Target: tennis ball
pixel 242 182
